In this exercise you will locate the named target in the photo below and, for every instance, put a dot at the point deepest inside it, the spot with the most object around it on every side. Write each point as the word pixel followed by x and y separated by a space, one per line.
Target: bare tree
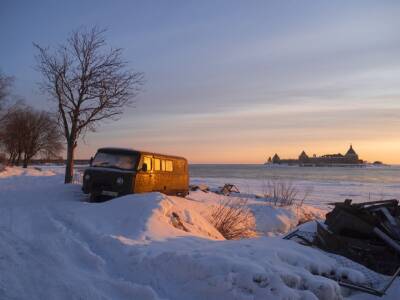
pixel 90 83
pixel 11 134
pixel 5 86
pixel 27 133
pixel 44 136
pixel 2 161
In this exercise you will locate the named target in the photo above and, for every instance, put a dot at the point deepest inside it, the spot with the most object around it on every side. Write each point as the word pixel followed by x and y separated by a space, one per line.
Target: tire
pixel 94 197
pixel 182 194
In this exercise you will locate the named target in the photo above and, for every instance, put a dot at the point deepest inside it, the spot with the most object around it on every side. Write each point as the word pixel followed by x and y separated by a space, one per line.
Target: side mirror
pixel 144 167
pixel 91 161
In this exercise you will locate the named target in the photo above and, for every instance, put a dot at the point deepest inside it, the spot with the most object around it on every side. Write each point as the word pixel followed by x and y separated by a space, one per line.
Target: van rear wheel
pixel 182 194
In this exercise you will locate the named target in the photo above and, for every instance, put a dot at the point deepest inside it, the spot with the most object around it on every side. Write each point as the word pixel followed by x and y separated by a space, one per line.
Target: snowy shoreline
pixel 322 192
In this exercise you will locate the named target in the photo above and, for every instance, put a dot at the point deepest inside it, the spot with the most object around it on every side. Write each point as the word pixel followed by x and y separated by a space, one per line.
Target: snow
pixel 270 220
pixel 53 245
pixel 9 172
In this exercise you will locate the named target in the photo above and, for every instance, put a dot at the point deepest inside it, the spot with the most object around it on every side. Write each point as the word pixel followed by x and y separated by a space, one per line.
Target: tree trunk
pixel 26 161
pixel 18 158
pixel 11 161
pixel 69 168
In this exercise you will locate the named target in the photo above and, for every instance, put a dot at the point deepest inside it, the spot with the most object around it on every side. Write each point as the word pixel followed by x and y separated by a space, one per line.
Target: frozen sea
pixel 327 184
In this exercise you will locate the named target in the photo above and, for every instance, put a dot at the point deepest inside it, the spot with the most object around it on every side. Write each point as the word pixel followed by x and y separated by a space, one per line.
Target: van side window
pixel 157 164
pixel 163 165
pixel 169 166
pixel 147 161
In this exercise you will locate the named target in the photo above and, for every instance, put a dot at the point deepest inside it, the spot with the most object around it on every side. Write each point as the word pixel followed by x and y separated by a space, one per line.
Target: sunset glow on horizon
pixel 235 82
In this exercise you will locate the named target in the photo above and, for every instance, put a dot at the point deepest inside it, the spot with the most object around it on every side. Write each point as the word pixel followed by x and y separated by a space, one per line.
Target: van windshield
pixel 115 160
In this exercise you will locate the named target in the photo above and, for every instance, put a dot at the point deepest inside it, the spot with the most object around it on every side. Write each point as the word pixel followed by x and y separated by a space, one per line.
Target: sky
pixel 232 81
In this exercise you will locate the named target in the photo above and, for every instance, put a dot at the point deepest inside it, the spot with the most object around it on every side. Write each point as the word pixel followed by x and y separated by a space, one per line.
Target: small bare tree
pixel 5 85
pixel 2 161
pixel 44 136
pixel 12 134
pixel 90 83
pixel 27 133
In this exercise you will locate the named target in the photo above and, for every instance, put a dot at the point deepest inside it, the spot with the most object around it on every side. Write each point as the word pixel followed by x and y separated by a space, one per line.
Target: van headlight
pixel 120 181
pixel 87 177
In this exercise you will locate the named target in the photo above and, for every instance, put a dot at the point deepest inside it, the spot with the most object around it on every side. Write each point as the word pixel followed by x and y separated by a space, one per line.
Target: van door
pixel 145 178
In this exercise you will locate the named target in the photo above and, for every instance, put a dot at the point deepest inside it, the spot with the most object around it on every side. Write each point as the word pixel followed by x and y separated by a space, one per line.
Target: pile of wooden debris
pixel 368 233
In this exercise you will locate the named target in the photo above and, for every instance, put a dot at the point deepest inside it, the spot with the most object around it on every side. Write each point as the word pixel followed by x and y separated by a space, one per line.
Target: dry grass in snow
pixel 233 219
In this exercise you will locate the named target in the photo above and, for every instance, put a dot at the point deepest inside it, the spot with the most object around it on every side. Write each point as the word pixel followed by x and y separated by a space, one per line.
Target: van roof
pixel 139 151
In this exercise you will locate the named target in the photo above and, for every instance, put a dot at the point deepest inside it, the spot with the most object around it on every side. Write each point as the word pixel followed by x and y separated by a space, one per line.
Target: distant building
pixel 303 156
pixel 350 158
pixel 276 159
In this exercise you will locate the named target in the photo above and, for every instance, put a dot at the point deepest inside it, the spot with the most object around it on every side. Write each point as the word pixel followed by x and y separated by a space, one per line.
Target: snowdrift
pixel 15 171
pixel 270 220
pixel 147 246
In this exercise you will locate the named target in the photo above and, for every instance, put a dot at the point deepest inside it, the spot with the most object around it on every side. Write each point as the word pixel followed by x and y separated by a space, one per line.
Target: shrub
pixel 285 193
pixel 233 219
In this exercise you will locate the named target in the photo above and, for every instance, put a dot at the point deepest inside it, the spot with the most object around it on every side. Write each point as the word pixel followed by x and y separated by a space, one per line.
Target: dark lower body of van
pixel 105 183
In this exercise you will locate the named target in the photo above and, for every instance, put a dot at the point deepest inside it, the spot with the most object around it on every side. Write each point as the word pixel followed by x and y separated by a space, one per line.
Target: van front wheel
pixel 94 197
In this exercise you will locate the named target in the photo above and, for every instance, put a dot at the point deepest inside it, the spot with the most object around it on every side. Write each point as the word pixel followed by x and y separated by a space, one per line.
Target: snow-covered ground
pixel 53 245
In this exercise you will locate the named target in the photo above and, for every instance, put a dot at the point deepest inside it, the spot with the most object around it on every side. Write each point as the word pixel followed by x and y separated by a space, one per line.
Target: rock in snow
pixel 146 246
